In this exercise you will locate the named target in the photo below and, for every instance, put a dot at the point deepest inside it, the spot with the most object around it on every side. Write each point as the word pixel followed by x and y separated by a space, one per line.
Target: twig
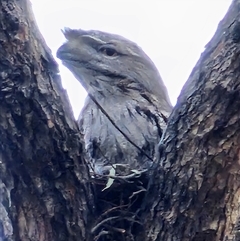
pixel 110 210
pixel 135 193
pixel 103 232
pixel 102 222
pixel 120 230
pixel 133 175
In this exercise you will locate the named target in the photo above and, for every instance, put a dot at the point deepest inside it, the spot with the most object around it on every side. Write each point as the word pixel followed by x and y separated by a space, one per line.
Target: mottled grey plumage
pixel 122 79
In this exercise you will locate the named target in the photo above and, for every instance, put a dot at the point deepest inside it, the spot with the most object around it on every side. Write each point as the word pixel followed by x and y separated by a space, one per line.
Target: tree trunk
pixel 46 192
pixel 44 184
pixel 198 189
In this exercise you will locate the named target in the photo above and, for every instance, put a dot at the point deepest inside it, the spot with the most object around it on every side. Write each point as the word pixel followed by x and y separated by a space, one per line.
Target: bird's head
pixel 108 64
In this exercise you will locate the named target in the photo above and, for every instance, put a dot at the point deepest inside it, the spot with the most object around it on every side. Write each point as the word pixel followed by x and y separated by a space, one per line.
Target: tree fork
pixel 45 189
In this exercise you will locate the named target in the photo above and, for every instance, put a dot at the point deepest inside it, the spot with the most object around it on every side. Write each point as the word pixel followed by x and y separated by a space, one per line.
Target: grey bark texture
pixel 42 174
pixel 46 192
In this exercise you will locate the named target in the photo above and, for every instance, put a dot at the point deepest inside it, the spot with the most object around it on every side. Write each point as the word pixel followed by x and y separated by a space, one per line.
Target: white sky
pixel 172 32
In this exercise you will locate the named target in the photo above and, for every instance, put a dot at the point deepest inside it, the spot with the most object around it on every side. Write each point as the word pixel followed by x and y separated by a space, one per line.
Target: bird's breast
pixel 114 138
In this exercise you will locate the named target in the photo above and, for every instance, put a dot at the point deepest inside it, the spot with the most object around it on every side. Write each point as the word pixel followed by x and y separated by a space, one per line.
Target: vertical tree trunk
pixel 198 184
pixel 45 189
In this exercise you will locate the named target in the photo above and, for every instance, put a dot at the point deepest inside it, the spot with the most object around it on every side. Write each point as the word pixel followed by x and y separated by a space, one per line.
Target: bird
pixel 127 107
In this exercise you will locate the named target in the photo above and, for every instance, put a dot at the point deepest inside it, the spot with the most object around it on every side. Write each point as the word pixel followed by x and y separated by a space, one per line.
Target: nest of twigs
pixel 120 200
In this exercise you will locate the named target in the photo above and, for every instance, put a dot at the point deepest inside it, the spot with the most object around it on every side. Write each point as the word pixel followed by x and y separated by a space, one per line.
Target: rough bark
pixel 45 190
pixel 198 185
pixel 43 179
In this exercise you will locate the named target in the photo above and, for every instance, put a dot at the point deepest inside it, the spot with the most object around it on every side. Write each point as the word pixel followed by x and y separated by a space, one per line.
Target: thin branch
pixel 93 230
pixel 103 232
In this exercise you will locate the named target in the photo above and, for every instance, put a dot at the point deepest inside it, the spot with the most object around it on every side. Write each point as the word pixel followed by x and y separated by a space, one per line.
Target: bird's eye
pixel 109 51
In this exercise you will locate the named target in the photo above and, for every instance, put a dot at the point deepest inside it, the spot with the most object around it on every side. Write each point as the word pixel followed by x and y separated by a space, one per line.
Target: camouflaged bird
pixel 127 107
